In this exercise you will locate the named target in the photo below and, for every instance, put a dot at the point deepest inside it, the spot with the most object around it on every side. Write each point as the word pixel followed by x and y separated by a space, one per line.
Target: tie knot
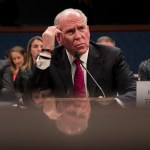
pixel 77 62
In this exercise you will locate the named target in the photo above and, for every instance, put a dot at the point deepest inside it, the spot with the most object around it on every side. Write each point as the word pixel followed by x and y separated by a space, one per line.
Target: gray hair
pixel 68 11
pixel 105 38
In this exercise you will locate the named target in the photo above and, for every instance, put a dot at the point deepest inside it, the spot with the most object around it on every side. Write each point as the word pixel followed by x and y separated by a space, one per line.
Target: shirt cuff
pixel 43 61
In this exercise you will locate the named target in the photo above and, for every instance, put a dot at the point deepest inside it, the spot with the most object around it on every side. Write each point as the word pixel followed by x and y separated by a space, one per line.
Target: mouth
pixel 19 65
pixel 80 45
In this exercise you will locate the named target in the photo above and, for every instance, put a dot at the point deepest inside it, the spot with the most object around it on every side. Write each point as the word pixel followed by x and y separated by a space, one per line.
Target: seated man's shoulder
pixel 145 63
pixel 4 63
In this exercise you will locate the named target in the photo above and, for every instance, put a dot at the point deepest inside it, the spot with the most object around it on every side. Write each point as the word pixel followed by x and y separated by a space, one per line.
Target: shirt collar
pixel 83 57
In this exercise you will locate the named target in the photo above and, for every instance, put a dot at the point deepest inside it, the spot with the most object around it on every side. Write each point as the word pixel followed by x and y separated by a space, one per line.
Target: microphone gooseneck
pixel 77 55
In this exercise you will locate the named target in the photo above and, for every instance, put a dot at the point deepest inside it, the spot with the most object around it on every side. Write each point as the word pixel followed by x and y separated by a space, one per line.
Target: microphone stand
pixel 94 81
pixel 77 55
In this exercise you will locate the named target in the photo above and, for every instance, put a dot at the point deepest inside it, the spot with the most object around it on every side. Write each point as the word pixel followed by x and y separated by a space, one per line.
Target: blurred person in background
pixel 106 40
pixel 6 81
pixel 34 46
pixel 17 57
pixel 144 70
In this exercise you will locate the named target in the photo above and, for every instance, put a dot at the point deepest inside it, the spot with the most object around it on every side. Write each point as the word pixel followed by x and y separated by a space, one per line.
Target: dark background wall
pixel 27 12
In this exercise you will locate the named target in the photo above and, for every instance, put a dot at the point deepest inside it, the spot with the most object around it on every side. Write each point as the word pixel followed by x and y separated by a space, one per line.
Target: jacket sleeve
pixel 37 81
pixel 7 84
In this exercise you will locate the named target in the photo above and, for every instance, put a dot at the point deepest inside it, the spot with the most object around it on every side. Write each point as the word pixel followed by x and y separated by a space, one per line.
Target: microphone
pixel 77 56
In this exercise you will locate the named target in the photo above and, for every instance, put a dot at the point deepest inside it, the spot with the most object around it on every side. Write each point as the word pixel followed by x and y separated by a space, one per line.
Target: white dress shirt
pixel 83 58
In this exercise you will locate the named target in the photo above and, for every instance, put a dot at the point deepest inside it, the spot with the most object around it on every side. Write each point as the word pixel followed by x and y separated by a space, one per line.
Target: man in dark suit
pixel 144 70
pixel 54 68
pixel 6 81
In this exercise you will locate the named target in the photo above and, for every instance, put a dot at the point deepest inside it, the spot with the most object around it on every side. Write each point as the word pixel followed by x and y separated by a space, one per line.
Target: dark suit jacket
pixel 6 81
pixel 20 83
pixel 106 64
pixel 144 70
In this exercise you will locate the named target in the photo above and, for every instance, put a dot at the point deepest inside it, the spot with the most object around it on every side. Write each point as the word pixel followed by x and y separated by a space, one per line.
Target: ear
pixel 59 38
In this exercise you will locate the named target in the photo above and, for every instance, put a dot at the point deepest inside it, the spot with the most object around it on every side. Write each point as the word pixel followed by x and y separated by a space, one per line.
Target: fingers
pixel 49 37
pixel 51 31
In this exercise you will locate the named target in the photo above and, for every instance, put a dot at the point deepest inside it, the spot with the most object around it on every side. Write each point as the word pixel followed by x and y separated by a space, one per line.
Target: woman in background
pixel 34 47
pixel 17 57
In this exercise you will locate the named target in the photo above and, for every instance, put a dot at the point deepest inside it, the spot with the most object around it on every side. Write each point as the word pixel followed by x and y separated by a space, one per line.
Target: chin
pixel 82 51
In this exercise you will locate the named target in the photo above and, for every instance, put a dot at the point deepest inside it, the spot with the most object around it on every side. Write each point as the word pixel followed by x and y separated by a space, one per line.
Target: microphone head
pixel 77 55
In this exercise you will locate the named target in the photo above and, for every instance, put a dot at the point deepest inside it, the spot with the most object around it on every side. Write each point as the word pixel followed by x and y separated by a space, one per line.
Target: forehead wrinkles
pixel 70 20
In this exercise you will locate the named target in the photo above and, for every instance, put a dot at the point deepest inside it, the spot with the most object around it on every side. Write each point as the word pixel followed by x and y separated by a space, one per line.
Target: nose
pixel 77 34
pixel 39 49
pixel 17 61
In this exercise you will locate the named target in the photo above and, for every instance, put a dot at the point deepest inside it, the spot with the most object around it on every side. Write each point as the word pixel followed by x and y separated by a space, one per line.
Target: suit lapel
pixel 64 71
pixel 94 65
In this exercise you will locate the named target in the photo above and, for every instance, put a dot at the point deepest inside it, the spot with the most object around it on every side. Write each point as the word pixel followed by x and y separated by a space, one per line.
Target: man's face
pixel 75 34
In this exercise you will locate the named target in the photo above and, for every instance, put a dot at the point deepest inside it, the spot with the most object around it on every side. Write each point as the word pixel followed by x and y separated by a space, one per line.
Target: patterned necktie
pixel 79 85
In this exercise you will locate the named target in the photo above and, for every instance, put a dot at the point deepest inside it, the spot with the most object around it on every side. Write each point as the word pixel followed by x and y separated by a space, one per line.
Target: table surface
pixel 109 126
